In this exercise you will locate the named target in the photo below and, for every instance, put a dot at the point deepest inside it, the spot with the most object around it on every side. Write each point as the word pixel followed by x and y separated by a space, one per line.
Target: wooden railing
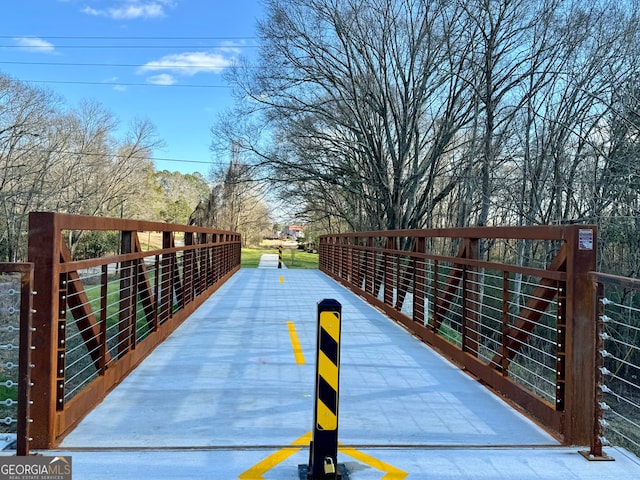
pixel 512 306
pixel 96 319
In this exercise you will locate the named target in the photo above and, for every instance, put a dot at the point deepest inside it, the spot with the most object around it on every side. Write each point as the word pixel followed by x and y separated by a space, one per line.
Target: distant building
pixel 295 231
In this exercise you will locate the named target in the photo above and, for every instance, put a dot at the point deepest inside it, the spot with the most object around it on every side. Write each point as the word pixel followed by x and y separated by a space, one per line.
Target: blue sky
pixel 161 60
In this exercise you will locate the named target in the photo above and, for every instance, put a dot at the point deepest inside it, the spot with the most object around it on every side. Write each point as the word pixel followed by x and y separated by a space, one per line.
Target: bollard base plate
pixel 341 473
pixel 592 458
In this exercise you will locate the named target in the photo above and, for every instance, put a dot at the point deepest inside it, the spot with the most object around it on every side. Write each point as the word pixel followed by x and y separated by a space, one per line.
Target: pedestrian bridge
pixel 465 353
pixel 229 395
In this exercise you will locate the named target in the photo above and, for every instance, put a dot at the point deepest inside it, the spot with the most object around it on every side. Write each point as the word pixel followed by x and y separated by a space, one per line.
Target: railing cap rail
pixel 20 267
pixel 531 232
pixel 627 282
pixel 66 221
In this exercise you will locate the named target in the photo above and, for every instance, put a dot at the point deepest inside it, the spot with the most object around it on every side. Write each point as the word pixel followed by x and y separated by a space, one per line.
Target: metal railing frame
pixel 25 365
pixel 602 283
pixel 185 277
pixel 369 263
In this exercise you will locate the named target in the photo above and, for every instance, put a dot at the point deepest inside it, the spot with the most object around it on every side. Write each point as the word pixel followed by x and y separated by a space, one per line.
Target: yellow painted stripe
pixel 295 343
pixel 303 440
pixel 259 469
pixel 327 420
pixel 328 370
pixel 330 322
pixel 392 473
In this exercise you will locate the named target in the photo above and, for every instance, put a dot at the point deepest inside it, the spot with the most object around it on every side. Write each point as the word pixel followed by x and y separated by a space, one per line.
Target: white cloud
pixel 231 47
pixel 190 63
pixel 116 86
pixel 35 44
pixel 162 79
pixel 132 10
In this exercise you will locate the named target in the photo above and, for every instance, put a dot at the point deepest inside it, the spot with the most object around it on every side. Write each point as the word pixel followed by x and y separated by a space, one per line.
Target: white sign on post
pixel 585 239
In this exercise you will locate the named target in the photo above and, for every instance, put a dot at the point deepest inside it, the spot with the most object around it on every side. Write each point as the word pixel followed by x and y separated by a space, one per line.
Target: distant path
pixel 269 260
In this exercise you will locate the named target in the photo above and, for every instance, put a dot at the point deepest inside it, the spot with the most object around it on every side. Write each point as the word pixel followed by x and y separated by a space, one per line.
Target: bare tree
pixel 24 117
pixel 236 202
pixel 65 161
pixel 409 113
pixel 360 105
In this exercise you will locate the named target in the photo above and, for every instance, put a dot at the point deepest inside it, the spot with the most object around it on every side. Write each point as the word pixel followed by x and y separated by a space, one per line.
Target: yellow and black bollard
pixel 323 452
pixel 280 256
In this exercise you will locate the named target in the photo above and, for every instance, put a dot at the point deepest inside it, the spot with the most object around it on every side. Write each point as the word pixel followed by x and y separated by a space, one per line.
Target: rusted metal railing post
pixel 188 268
pixel 580 355
pixel 356 278
pixel 337 255
pixel 44 253
pixel 370 267
pixel 23 434
pixel 420 284
pixel 348 252
pixel 126 321
pixel 471 293
pixel 595 452
pixel 166 279
pixel 389 271
pixel 104 305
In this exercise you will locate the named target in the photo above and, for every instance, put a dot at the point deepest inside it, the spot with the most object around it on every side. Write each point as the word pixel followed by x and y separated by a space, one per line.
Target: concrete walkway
pixel 227 397
pixel 270 260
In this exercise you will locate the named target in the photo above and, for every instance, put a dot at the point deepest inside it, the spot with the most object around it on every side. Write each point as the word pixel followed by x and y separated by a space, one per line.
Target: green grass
pixel 8 392
pixel 292 258
pixel 113 305
pixel 450 334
